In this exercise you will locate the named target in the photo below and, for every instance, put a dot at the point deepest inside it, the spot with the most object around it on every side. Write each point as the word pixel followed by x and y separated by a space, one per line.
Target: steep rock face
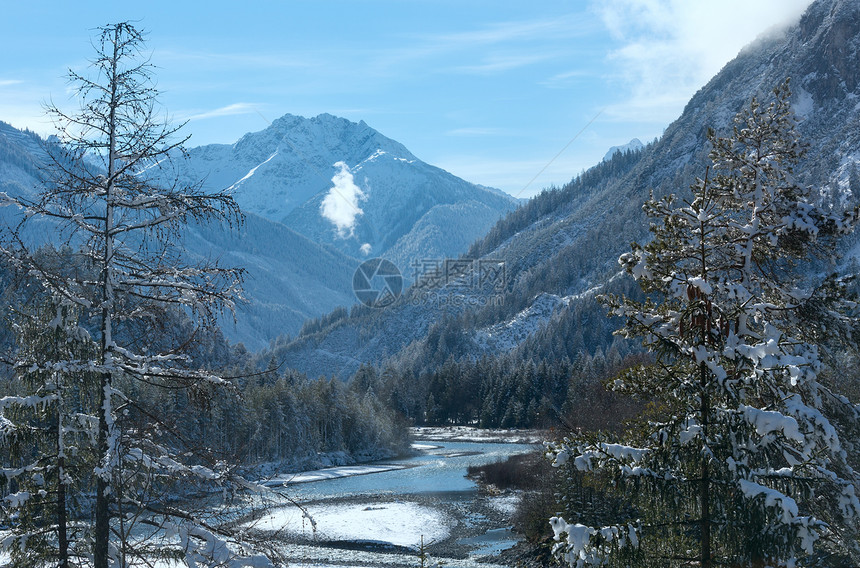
pixel 284 172
pixel 566 243
pixel 830 33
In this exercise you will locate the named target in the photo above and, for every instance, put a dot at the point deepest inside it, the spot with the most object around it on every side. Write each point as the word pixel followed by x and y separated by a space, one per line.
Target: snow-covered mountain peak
pixel 284 172
pixel 633 145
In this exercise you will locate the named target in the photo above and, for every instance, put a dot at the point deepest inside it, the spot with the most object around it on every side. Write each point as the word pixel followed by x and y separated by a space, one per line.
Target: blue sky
pixel 489 90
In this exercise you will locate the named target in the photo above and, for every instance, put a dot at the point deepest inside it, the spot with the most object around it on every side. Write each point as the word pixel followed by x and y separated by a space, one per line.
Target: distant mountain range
pixel 561 248
pixel 299 264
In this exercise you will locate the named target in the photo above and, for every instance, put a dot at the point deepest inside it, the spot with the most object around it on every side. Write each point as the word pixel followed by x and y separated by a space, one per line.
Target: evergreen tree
pixel 115 202
pixel 45 430
pixel 738 463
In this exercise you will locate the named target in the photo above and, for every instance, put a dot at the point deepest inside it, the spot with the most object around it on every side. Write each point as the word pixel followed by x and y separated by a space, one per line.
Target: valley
pixel 291 348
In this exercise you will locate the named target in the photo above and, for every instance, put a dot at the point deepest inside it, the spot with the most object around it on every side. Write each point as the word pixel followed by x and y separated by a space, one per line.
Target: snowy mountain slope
pixel 445 231
pixel 282 287
pixel 506 335
pixel 566 242
pixel 19 155
pixel 515 311
pixel 284 172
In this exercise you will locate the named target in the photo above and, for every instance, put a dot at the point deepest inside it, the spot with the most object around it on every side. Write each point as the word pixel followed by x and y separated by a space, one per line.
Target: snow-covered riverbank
pixel 381 512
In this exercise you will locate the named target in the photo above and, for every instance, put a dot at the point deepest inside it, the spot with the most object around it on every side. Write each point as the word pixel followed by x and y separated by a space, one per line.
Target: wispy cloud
pixel 501 63
pixel 477 131
pixel 222 59
pixel 528 39
pixel 676 46
pixel 502 32
pixel 10 82
pixel 340 205
pixel 229 110
pixel 565 79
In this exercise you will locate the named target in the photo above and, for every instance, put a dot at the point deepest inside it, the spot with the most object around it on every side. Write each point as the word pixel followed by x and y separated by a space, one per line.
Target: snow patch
pixel 633 145
pixel 327 473
pixel 251 173
pixel 508 334
pixel 400 524
pixel 804 105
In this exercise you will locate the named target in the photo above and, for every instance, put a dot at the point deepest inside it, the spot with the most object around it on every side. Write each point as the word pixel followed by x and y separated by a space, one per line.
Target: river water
pixel 380 519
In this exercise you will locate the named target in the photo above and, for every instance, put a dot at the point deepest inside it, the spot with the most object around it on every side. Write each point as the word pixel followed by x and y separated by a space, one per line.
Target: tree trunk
pixel 102 528
pixel 62 536
pixel 705 487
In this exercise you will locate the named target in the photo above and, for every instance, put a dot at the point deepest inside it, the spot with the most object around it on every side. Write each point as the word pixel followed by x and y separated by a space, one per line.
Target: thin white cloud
pixel 340 205
pixel 477 131
pixel 671 48
pixel 10 82
pixel 501 63
pixel 502 32
pixel 523 36
pixel 229 110
pixel 281 60
pixel 565 79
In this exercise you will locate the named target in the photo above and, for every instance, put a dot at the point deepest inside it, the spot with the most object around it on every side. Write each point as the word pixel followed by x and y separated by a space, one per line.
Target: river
pixel 380 519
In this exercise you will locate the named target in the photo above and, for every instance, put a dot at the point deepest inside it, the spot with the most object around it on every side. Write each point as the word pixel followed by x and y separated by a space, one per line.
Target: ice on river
pixel 327 473
pixel 397 523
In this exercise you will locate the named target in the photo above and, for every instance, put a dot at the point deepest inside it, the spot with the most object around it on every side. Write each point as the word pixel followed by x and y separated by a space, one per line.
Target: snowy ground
pixel 507 503
pixel 394 523
pixel 383 526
